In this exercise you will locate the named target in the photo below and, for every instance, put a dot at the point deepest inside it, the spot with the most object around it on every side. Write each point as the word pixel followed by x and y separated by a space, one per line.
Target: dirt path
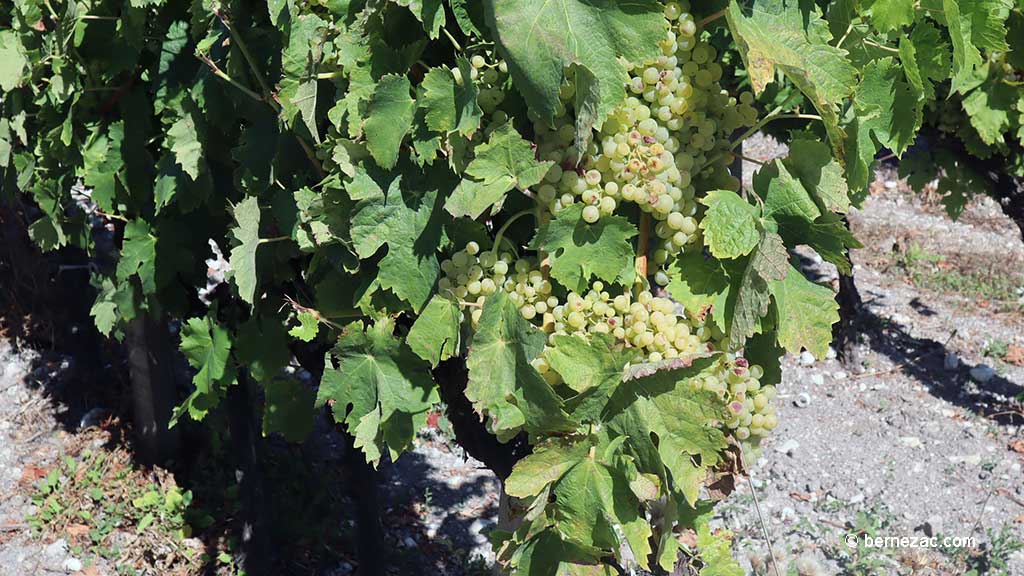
pixel 904 444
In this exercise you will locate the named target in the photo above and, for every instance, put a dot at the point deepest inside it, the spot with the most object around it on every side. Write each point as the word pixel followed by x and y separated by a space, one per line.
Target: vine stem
pixel 767 119
pixel 268 94
pixel 249 59
pixel 712 17
pixel 501 231
pixel 642 244
pixel 451 39
pixel 225 77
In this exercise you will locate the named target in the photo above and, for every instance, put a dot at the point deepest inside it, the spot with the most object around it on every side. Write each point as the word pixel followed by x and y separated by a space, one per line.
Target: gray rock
pixel 817 379
pixel 857 499
pixel 952 362
pixel 806 358
pixel 72 565
pixel 787 447
pixel 840 375
pixel 803 400
pixel 982 373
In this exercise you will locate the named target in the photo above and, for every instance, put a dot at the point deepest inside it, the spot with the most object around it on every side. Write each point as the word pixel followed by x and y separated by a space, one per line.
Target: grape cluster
pixel 751 413
pixel 490 78
pixel 672 128
pixel 471 275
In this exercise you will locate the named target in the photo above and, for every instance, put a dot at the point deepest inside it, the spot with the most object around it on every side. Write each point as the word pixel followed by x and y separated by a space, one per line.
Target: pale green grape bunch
pixel 671 130
pixel 471 275
pixel 751 413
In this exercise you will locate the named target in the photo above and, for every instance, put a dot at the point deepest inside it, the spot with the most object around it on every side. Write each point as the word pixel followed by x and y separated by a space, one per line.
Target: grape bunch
pixel 470 275
pixel 672 129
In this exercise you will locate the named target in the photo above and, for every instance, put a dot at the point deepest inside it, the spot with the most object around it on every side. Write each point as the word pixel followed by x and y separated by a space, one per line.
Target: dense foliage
pixel 537 191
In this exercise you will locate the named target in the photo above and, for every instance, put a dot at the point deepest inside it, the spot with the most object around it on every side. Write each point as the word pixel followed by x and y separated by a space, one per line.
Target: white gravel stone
pixel 806 358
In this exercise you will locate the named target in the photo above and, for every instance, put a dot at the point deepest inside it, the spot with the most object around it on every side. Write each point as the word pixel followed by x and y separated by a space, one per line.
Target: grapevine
pixel 523 208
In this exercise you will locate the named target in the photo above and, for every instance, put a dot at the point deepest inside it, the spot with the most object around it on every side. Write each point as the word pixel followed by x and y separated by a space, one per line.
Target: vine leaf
pixel 540 40
pixel 750 296
pixel 579 250
pixel 12 61
pixel 502 382
pixel 592 367
pixel 700 283
pixel 206 345
pixel 779 35
pixel 429 12
pixel 974 25
pixel 806 313
pixel 389 118
pixel 448 105
pixel 138 255
pixel 730 224
pixel 405 220
pixel 662 404
pixel 307 328
pixel 889 15
pixel 380 390
pixel 592 495
pixel 243 256
pixel 436 334
pixel 185 144
pixel 505 162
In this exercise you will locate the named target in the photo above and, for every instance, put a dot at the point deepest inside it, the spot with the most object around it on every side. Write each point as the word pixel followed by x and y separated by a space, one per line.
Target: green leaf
pixel 715 552
pixel 778 34
pixel 104 314
pixel 206 345
pixel 503 385
pixel 886 106
pixel 699 283
pixel 138 255
pixel 505 162
pixel 307 328
pixel 592 498
pixel 388 119
pixel 380 390
pixel 812 163
pixel 407 221
pixel 888 15
pixel 730 224
pixel 186 145
pixel 579 250
pixel 243 256
pixel 547 464
pixel 540 40
pixel 12 61
pixel 592 367
pixel 806 313
pixel 974 25
pixel 288 409
pixel 436 334
pixel 991 107
pixel 660 402
pixel 448 106
pixel 768 262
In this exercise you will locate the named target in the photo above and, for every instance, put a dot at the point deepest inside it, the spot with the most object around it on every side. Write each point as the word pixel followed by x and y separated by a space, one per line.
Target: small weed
pixel 996 349
pixel 97 497
pixel 991 559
